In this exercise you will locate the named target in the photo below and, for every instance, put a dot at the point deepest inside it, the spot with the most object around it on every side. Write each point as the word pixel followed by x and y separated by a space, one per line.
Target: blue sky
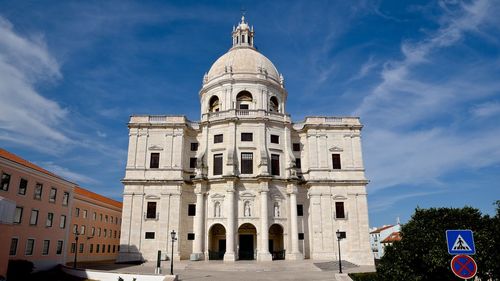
pixel 424 77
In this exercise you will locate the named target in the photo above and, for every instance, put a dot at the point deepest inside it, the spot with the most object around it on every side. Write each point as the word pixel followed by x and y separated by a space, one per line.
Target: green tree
pixel 422 253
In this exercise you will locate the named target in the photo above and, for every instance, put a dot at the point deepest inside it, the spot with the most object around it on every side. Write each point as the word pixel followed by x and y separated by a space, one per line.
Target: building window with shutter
pixel 218 138
pixel 275 164
pixel 336 161
pixel 154 162
pixel 275 139
pixel 192 162
pixel 339 210
pixel 246 137
pixel 151 212
pixel 247 163
pixel 217 164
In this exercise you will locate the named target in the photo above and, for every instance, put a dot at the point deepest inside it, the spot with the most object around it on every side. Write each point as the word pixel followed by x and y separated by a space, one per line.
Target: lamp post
pixel 172 234
pixel 339 237
pixel 76 246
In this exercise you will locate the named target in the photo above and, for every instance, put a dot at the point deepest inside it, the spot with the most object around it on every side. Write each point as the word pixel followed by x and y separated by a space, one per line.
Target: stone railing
pixel 244 114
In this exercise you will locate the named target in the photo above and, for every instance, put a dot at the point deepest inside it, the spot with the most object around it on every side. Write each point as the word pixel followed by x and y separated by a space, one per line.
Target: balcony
pixel 245 114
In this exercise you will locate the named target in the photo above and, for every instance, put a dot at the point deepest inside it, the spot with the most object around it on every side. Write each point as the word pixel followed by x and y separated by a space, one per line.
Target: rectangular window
pixel 246 137
pixel 62 222
pixel 150 235
pixel 18 215
pixel 244 106
pixel 296 147
pixel 114 248
pixel 59 248
pixel 84 214
pixel 53 195
pixel 217 164
pixel 100 217
pixel 194 146
pixel 336 161
pixel 13 246
pixel 4 184
pixel 192 210
pixel 300 210
pixel 339 210
pixel 97 246
pixel 103 247
pixel 92 232
pixel 34 217
pixel 247 163
pixel 192 162
pixel 46 247
pixel 275 164
pixel 190 236
pixel 75 228
pixel 218 138
pixel 298 164
pixel 275 139
pixel 99 232
pixel 94 216
pixel 301 236
pixel 80 250
pixel 50 219
pixel 109 248
pixel 65 199
pixel 38 191
pixel 151 212
pixel 73 247
pixel 23 185
pixel 106 218
pixel 105 232
pixel 114 234
pixel 82 229
pixel 77 212
pixel 91 248
pixel 154 162
pixel 30 245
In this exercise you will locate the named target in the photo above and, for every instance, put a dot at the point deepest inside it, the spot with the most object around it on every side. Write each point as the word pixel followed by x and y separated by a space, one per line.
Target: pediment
pixel 152 196
pixel 247 195
pixel 217 196
pixel 339 197
pixel 155 147
pixel 336 149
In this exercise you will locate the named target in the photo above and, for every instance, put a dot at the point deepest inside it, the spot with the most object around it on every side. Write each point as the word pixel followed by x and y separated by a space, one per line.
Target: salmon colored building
pixel 40 221
pixel 96 220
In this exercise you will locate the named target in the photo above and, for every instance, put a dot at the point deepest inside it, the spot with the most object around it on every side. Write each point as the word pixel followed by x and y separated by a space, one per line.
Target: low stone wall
pixel 113 276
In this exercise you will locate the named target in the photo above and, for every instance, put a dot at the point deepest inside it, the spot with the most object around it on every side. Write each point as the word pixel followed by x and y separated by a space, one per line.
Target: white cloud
pixel 25 115
pixel 385 202
pixel 67 174
pixel 486 109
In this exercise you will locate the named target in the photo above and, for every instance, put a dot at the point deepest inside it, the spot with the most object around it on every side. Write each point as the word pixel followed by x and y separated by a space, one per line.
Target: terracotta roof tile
pixel 393 237
pixel 98 197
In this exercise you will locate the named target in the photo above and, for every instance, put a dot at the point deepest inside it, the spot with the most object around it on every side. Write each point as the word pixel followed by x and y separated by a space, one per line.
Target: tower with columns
pixel 244 182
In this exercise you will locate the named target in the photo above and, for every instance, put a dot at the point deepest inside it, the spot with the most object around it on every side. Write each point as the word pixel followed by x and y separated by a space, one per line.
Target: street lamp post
pixel 76 247
pixel 339 237
pixel 172 234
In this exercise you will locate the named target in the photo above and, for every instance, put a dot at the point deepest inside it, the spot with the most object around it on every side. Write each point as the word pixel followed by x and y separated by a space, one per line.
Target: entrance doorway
pixel 246 234
pixel 216 242
pixel 276 242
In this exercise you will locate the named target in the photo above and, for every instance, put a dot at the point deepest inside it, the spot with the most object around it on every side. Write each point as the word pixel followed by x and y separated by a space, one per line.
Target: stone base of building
pixel 294 256
pixel 229 257
pixel 197 257
pixel 264 257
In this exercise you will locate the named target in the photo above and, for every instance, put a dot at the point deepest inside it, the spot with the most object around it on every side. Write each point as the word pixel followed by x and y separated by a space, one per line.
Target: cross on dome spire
pixel 243 34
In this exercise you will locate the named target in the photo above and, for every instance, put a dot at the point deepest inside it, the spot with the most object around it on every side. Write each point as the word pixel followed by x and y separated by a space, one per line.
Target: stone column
pixel 294 254
pixel 230 255
pixel 199 221
pixel 263 254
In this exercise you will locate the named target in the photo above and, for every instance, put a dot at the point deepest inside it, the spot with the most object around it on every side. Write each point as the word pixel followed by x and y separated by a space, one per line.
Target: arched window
pixel 213 104
pixel 273 104
pixel 243 100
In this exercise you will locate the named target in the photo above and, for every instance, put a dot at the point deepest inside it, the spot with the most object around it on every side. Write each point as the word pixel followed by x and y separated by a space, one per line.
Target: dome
pixel 243 60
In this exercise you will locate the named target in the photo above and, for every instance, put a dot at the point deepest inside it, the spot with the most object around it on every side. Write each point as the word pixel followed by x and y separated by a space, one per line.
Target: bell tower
pixel 243 34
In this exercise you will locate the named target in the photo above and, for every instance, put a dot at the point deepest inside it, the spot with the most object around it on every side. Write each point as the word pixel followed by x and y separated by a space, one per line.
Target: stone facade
pixel 244 182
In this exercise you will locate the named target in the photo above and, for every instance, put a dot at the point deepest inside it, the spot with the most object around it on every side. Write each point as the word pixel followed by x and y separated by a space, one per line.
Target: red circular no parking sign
pixel 463 266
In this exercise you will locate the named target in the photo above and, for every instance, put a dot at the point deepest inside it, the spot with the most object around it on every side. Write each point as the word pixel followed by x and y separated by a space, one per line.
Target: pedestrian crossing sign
pixel 460 242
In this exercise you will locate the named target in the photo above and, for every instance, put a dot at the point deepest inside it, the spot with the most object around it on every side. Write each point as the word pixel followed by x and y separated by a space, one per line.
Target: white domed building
pixel 244 182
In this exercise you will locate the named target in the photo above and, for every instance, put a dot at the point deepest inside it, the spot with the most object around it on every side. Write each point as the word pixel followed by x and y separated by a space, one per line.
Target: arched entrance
pixel 276 247
pixel 247 235
pixel 216 242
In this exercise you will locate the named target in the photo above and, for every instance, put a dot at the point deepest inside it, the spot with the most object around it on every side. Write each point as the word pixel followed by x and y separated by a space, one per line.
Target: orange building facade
pixel 96 220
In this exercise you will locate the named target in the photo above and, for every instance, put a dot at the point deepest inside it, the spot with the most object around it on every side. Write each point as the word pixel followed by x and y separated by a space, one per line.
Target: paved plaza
pixel 242 270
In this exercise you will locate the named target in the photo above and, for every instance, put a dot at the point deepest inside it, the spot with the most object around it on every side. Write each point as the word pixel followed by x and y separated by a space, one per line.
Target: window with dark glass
pixel 34 217
pixel 275 164
pixel 218 138
pixel 339 210
pixel 45 247
pixel 18 215
pixel 59 248
pixel 65 198
pixel 109 248
pixel 275 139
pixel 190 236
pixel 4 184
pixel 247 163
pixel 298 164
pixel 30 244
pixel 301 236
pixel 246 137
pixel 80 250
pixel 151 213
pixel 77 212
pixel 342 235
pixel 38 191
pixel 244 106
pixel 13 246
pixel 217 164
pixel 53 194
pixel 336 161
pixel 23 185
pixel 192 210
pixel 155 160
pixel 192 162
pixel 194 146
pixel 91 248
pixel 296 147
pixel 149 235
pixel 300 210
pixel 97 247
pixel 50 219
